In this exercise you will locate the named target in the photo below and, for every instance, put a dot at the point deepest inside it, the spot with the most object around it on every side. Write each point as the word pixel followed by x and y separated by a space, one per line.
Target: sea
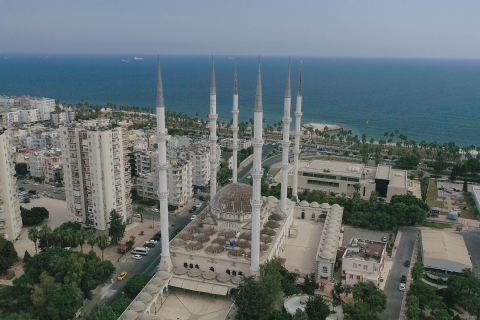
pixel 430 100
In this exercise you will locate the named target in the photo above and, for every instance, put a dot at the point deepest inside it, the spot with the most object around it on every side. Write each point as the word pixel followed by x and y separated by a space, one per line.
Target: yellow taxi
pixel 122 276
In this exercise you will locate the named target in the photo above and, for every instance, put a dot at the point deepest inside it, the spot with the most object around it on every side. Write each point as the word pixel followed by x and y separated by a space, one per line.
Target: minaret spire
pixel 298 133
pixel 165 261
pixel 285 144
pixel 213 135
pixel 257 173
pixel 235 126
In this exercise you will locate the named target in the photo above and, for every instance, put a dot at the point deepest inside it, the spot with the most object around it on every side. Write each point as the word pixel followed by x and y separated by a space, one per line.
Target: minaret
pixel 213 135
pixel 165 261
pixel 285 144
pixel 298 133
pixel 235 125
pixel 257 173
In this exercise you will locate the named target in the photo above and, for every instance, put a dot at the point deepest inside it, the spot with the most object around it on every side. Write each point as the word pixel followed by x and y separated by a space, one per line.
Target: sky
pixel 331 28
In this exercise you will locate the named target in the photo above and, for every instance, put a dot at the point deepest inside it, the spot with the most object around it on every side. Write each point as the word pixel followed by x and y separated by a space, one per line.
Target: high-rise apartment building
pixel 10 218
pixel 96 172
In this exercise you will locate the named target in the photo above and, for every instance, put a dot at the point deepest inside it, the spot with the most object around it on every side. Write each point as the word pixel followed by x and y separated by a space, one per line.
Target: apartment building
pixel 62 117
pixel 242 143
pixel 10 218
pixel 145 161
pixel 9 117
pixel 46 165
pixel 179 177
pixel 96 172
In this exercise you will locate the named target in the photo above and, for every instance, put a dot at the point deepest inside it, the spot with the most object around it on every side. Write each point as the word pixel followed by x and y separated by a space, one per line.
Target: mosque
pixel 239 230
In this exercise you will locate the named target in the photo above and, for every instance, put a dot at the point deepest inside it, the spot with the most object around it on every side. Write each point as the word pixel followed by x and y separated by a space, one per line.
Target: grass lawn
pixel 432 195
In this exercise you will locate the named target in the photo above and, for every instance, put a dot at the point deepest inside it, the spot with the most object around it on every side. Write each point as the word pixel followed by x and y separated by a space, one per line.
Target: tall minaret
pixel 285 144
pixel 165 261
pixel 298 133
pixel 213 135
pixel 235 125
pixel 257 173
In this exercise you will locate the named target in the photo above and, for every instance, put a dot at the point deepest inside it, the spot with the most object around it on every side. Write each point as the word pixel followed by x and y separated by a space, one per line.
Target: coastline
pixel 322 127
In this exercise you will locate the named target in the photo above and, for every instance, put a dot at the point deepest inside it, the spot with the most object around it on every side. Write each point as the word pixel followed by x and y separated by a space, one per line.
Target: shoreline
pixel 322 127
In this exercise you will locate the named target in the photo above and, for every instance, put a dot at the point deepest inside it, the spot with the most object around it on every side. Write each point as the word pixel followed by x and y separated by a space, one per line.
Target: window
pixel 325 270
pixel 323 183
pixel 197 267
pixel 185 265
pixel 191 266
pixel 350 276
pixel 375 268
pixel 212 269
pixel 306 174
pixel 240 273
pixel 365 267
pixel 313 215
pixel 355 265
pixel 228 271
pixel 358 277
pixel 234 273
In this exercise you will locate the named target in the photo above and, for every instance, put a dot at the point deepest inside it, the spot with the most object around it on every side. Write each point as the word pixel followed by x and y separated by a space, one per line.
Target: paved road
pixel 472 241
pixel 404 252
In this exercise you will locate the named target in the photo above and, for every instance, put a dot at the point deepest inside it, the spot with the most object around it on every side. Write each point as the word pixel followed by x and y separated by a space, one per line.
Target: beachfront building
pixel 341 178
pixel 444 252
pixel 241 143
pixel 363 261
pixel 96 172
pixel 179 180
pixel 10 218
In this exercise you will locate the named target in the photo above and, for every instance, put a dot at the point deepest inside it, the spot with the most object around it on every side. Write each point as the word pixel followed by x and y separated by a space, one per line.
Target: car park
pixel 407 263
pixel 401 287
pixel 137 257
pixel 122 276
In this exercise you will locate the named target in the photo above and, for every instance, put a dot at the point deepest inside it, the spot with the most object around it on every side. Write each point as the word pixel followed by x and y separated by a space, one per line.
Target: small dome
pixel 209 231
pixel 233 198
pixel 304 203
pixel 272 224
pixel 236 252
pixel 144 297
pixel 194 245
pixel 335 206
pixel 220 240
pixel 192 229
pixel 325 206
pixel 263 247
pixel 130 315
pixel 177 242
pixel 326 255
pixel 202 237
pixel 209 275
pixel 242 243
pixel 265 238
pixel 329 237
pixel 327 248
pixel 236 279
pixel 272 199
pixel 223 277
pixel 186 236
pixel 276 217
pixel 268 232
pixel 209 220
pixel 328 242
pixel 164 275
pixel 314 204
pixel 214 249
pixel 180 270
pixel 247 235
pixel 228 234
pixel 194 272
pixel 137 306
pixel 152 289
pixel 157 282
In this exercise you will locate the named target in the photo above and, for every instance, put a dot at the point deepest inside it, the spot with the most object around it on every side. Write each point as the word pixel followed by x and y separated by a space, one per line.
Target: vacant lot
pixel 433 200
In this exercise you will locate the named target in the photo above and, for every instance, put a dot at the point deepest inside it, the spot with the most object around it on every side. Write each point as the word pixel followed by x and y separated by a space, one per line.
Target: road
pixel 404 252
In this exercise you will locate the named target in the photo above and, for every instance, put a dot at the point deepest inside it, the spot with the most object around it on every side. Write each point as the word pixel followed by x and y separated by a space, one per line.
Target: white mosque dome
pixel 325 206
pixel 137 306
pixel 326 255
pixel 335 206
pixel 314 205
pixel 304 203
pixel 130 315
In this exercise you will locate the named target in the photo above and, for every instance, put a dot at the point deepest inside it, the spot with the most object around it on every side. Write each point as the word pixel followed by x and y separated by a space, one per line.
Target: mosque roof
pixel 233 198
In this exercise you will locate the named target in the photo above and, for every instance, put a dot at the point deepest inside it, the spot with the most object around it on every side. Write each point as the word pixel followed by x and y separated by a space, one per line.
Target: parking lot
pixel 29 185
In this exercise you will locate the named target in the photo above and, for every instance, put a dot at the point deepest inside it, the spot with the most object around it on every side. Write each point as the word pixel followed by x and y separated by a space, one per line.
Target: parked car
pixel 385 239
pixel 21 189
pixel 157 237
pixel 152 241
pixel 52 187
pixel 137 215
pixel 192 209
pixel 122 276
pixel 401 287
pixel 202 198
pixel 67 248
pixel 35 184
pixel 403 279
pixel 193 217
pixel 137 257
pixel 155 210
pixel 149 245
pixel 198 205
pixel 407 263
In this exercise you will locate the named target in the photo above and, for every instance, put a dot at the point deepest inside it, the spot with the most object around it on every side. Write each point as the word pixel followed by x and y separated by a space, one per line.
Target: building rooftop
pixel 365 250
pixel 383 172
pixel 333 167
pixel 398 178
pixel 444 246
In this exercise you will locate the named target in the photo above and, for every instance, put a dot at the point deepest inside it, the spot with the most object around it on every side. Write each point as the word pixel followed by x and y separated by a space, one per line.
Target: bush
pixel 119 306
pixel 135 285
pixel 34 215
pixel 8 254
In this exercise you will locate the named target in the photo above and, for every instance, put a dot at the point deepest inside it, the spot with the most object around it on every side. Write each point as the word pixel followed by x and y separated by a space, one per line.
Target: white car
pixel 249 177
pixel 152 241
pixel 35 184
pixel 137 257
pixel 155 210
pixel 198 205
pixel 401 287
pixel 137 215
pixel 193 217
pixel 67 248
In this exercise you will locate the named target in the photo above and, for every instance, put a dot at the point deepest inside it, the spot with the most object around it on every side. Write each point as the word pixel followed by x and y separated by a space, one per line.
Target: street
pixel 404 252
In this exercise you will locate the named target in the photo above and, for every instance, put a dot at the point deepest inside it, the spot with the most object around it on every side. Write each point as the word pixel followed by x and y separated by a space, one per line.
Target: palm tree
pixel 33 235
pixel 141 211
pixel 69 237
pixel 81 236
pixel 102 242
pixel 91 237
pixel 45 233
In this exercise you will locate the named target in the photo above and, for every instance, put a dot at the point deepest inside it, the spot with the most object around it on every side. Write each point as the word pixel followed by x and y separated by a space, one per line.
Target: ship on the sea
pixel 125 60
pixel 138 58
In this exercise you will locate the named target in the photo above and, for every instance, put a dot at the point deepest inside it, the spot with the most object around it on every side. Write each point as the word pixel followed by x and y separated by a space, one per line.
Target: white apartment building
pixel 46 165
pixel 8 101
pixel 29 115
pixel 145 161
pixel 363 261
pixel 179 176
pixel 9 117
pixel 10 218
pixel 62 117
pixel 96 172
pixel 242 143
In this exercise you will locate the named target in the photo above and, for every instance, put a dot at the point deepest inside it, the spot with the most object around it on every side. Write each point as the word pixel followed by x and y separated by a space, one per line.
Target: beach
pixel 321 127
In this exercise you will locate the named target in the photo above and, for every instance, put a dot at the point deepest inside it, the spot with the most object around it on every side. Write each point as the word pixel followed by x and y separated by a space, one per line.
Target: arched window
pixel 325 270
pixel 185 265
pixel 228 271
pixel 197 267
pixel 191 266
pixel 303 214
pixel 234 273
pixel 313 215
pixel 240 273
pixel 212 269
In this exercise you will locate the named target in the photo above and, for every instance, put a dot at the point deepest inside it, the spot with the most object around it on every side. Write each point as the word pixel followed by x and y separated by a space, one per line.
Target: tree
pixel 102 242
pixel 368 293
pixel 91 237
pixel 359 311
pixel 64 303
pixel 465 186
pixel 101 313
pixel 135 285
pixel 249 300
pixel 17 316
pixel 300 315
pixel 335 293
pixel 21 169
pixel 417 270
pixel 33 236
pixel 141 211
pixel 34 215
pixel 271 284
pixel 310 284
pixel 8 255
pixel 130 243
pixel 81 236
pixel 413 310
pixel 316 308
pixel 119 306
pixel 116 231
pixel 68 237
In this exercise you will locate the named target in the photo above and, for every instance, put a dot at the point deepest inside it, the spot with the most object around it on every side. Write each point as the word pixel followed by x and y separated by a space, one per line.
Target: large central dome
pixel 233 198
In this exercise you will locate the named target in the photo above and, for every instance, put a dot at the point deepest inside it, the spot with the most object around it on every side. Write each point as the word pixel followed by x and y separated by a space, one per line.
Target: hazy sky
pixel 363 28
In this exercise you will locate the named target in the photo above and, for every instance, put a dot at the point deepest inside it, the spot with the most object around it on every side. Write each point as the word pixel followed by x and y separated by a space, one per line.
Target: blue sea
pixel 431 100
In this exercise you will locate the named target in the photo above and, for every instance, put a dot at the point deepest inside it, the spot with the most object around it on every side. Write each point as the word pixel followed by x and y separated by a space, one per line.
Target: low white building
pixel 242 143
pixel 363 261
